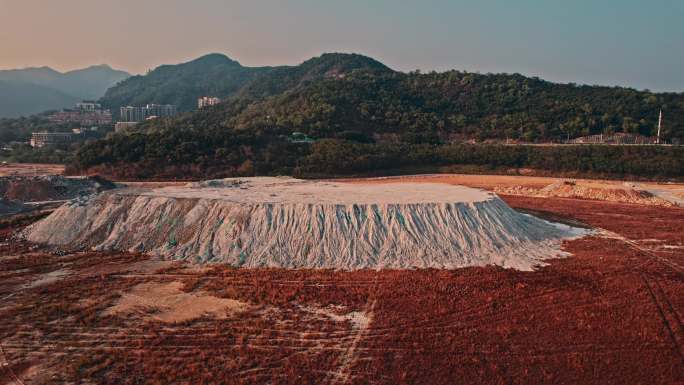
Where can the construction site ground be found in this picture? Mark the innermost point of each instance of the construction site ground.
(30, 169)
(610, 313)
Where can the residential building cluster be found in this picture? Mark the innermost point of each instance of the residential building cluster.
(206, 101)
(88, 105)
(43, 139)
(91, 114)
(150, 111)
(85, 113)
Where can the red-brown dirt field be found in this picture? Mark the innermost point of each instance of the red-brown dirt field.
(609, 314)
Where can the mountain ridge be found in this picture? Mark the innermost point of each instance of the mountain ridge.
(218, 75)
(358, 115)
(32, 83)
(14, 98)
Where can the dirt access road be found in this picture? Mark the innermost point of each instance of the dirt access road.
(611, 313)
(30, 169)
(672, 192)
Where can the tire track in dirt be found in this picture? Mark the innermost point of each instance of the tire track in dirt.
(662, 302)
(466, 317)
(665, 261)
(567, 350)
(666, 311)
(670, 307)
(8, 369)
(672, 333)
(351, 354)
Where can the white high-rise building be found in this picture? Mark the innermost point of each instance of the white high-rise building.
(139, 114)
(88, 105)
(206, 101)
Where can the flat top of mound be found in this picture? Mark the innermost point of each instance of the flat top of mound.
(289, 190)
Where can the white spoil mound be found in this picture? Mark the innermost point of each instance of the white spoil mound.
(283, 222)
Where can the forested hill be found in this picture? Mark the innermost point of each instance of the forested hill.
(327, 66)
(366, 117)
(440, 107)
(334, 93)
(180, 84)
(218, 75)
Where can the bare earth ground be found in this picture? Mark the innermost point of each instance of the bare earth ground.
(30, 169)
(492, 182)
(611, 313)
(666, 193)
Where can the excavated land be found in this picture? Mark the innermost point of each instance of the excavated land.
(628, 193)
(31, 194)
(649, 193)
(610, 313)
(50, 187)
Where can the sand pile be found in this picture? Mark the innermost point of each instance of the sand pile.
(284, 222)
(586, 190)
(167, 302)
(49, 187)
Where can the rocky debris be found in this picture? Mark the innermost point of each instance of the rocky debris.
(217, 183)
(289, 223)
(50, 187)
(625, 193)
(11, 207)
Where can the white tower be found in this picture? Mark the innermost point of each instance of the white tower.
(660, 123)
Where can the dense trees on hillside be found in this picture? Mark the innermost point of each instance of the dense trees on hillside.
(218, 75)
(367, 117)
(186, 155)
(436, 107)
(20, 129)
(456, 105)
(26, 154)
(345, 92)
(331, 65)
(180, 84)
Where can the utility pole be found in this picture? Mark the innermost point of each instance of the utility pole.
(660, 123)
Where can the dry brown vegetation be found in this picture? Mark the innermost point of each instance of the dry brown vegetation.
(612, 313)
(31, 169)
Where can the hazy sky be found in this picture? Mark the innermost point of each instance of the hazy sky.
(610, 42)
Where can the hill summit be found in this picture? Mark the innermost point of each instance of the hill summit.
(218, 75)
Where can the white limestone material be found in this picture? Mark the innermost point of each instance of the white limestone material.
(290, 223)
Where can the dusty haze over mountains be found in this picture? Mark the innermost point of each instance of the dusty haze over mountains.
(33, 90)
(630, 43)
